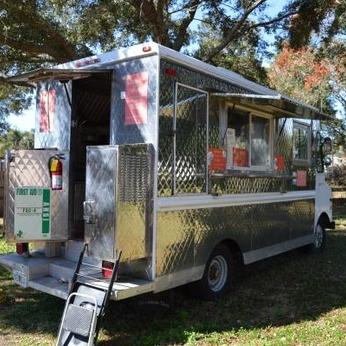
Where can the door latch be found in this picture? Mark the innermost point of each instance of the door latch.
(89, 214)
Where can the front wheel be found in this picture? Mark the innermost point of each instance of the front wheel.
(218, 277)
(319, 240)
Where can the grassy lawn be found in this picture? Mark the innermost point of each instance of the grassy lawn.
(292, 299)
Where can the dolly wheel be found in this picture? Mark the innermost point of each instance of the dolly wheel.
(218, 277)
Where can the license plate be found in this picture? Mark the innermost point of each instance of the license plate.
(20, 276)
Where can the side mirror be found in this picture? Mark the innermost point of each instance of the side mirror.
(327, 161)
(327, 145)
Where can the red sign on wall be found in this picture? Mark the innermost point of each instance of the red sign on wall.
(279, 163)
(240, 157)
(217, 159)
(301, 178)
(136, 98)
(47, 110)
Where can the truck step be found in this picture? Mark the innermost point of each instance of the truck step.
(62, 269)
(50, 285)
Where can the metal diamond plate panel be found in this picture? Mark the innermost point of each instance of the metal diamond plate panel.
(190, 140)
(119, 192)
(30, 168)
(166, 134)
(100, 191)
(134, 203)
(246, 184)
(185, 238)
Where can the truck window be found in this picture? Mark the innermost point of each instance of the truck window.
(301, 142)
(251, 147)
(260, 137)
(240, 121)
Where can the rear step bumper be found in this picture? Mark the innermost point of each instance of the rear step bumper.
(52, 276)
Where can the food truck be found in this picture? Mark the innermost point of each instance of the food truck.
(189, 170)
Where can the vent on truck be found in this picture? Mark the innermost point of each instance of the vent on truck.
(134, 163)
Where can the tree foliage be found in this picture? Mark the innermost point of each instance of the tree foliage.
(300, 74)
(45, 32)
(15, 139)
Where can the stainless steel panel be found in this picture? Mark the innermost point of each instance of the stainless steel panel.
(101, 173)
(301, 215)
(119, 203)
(132, 134)
(59, 137)
(134, 222)
(30, 168)
(185, 238)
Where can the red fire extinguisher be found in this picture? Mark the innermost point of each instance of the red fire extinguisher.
(55, 170)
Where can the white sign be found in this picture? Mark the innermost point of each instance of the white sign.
(20, 275)
(230, 143)
(32, 218)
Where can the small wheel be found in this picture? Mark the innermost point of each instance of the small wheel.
(218, 275)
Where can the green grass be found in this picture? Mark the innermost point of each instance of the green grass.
(292, 299)
(5, 247)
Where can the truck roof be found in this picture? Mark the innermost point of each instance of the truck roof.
(257, 93)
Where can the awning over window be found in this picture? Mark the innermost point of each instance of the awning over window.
(56, 74)
(279, 105)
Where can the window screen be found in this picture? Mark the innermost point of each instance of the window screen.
(239, 121)
(301, 137)
(260, 132)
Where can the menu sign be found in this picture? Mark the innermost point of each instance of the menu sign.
(136, 98)
(301, 178)
(47, 105)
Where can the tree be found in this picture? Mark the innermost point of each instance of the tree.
(300, 74)
(45, 32)
(15, 139)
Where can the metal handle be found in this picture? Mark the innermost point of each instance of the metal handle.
(89, 215)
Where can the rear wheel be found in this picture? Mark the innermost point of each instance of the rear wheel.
(218, 277)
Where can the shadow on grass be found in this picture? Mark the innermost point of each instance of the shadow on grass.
(288, 288)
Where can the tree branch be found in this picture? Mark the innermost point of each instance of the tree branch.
(4, 80)
(272, 21)
(28, 47)
(232, 32)
(182, 31)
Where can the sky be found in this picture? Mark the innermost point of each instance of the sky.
(26, 121)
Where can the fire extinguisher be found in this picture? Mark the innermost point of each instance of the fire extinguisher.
(55, 170)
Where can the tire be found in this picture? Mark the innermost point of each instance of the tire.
(218, 277)
(319, 240)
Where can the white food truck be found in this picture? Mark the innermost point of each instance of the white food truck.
(187, 169)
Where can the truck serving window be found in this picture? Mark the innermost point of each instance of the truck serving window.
(301, 142)
(260, 137)
(252, 141)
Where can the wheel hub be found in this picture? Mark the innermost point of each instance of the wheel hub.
(217, 273)
(318, 237)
